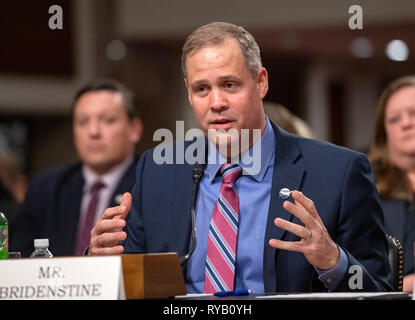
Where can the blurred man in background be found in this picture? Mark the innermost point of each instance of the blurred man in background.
(63, 203)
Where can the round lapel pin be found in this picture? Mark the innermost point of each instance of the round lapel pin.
(285, 193)
(118, 199)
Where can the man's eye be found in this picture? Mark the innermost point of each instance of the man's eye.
(82, 122)
(202, 90)
(230, 85)
(109, 120)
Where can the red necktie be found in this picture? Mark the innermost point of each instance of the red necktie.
(84, 235)
(223, 231)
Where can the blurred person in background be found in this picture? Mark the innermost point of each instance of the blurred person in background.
(287, 120)
(393, 158)
(13, 184)
(63, 203)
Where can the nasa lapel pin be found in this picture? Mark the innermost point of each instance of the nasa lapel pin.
(285, 193)
(117, 199)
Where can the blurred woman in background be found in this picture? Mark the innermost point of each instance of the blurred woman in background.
(393, 159)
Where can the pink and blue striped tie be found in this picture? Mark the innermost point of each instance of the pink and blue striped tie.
(223, 232)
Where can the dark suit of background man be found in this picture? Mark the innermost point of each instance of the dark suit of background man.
(106, 126)
(332, 222)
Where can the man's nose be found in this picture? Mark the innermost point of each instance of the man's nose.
(94, 128)
(219, 100)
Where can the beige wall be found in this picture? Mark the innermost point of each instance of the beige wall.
(154, 31)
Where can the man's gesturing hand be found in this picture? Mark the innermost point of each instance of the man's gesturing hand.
(107, 233)
(316, 245)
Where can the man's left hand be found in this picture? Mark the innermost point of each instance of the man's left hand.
(316, 244)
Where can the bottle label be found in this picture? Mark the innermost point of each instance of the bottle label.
(4, 242)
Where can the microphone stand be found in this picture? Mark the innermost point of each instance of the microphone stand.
(197, 176)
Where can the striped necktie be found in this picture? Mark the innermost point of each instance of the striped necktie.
(223, 231)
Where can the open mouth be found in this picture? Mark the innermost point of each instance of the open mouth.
(221, 123)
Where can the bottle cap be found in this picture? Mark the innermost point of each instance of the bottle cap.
(41, 243)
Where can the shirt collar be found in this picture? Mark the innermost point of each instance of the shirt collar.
(109, 178)
(267, 156)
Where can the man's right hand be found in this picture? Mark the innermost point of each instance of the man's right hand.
(107, 233)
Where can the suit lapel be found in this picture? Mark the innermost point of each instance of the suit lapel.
(180, 222)
(181, 202)
(68, 213)
(126, 184)
(286, 174)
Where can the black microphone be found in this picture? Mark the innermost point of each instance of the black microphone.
(197, 176)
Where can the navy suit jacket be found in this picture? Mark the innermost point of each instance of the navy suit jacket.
(52, 206)
(338, 180)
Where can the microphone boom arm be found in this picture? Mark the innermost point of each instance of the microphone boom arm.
(197, 176)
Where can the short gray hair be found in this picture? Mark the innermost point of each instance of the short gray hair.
(216, 33)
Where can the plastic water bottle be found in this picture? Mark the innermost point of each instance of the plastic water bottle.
(4, 237)
(41, 249)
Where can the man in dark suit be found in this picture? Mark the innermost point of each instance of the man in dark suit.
(333, 242)
(63, 203)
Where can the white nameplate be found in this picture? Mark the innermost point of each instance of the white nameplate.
(72, 278)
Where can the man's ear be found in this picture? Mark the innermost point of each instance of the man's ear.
(188, 91)
(262, 82)
(136, 131)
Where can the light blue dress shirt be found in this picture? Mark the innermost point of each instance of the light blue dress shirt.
(254, 193)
